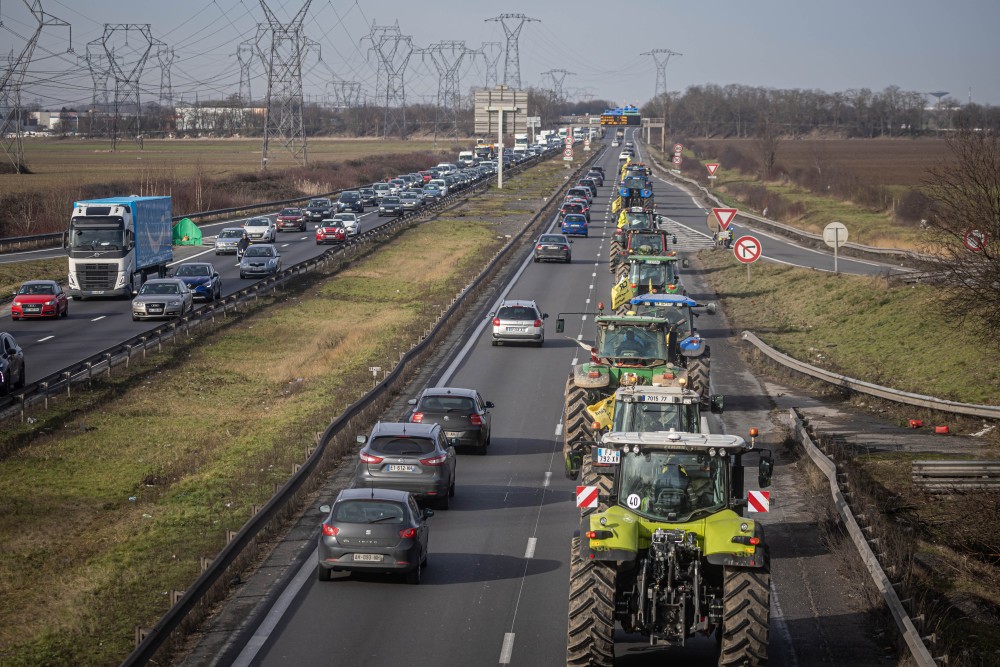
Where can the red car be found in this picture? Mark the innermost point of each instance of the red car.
(39, 298)
(331, 231)
(291, 217)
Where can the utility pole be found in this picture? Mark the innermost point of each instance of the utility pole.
(512, 24)
(491, 52)
(661, 67)
(10, 86)
(393, 51)
(283, 59)
(127, 71)
(558, 76)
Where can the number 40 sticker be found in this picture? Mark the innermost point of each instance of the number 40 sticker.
(633, 501)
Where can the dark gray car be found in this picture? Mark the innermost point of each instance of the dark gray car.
(373, 530)
(462, 413)
(408, 457)
(390, 205)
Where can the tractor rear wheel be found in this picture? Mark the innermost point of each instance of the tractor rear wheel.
(698, 374)
(591, 476)
(591, 627)
(745, 617)
(616, 248)
(575, 420)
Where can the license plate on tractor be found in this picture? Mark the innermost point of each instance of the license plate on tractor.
(608, 457)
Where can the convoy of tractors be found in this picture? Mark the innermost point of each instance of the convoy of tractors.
(664, 548)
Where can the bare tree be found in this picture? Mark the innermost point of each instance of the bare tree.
(963, 232)
(768, 141)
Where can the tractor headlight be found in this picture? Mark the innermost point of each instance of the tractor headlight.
(722, 452)
(744, 527)
(711, 452)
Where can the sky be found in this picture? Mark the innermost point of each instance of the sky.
(917, 45)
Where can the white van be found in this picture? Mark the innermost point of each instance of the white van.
(467, 159)
(446, 168)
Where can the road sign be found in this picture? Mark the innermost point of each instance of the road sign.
(976, 240)
(568, 153)
(587, 496)
(586, 144)
(678, 149)
(835, 234)
(725, 216)
(747, 249)
(759, 501)
(677, 159)
(713, 224)
(712, 167)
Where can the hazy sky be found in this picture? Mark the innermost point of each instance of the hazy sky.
(918, 45)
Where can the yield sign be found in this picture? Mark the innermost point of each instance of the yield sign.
(586, 496)
(747, 249)
(725, 216)
(711, 168)
(759, 501)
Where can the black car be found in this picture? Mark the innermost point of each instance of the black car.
(390, 205)
(12, 370)
(462, 413)
(589, 183)
(350, 201)
(202, 278)
(368, 197)
(373, 530)
(319, 208)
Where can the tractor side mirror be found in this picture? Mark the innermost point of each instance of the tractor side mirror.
(560, 325)
(711, 308)
(716, 403)
(764, 470)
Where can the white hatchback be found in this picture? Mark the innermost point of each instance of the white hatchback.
(518, 321)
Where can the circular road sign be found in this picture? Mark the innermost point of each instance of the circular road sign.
(678, 148)
(747, 249)
(835, 234)
(677, 159)
(976, 240)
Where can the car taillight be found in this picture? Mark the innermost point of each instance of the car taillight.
(538, 323)
(496, 321)
(565, 247)
(408, 533)
(330, 531)
(537, 248)
(475, 420)
(434, 460)
(417, 418)
(368, 458)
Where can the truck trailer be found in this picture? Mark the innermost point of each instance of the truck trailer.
(114, 244)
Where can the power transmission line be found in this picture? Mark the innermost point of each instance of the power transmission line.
(127, 71)
(393, 51)
(491, 52)
(512, 63)
(558, 77)
(165, 57)
(661, 67)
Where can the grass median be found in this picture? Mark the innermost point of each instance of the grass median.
(109, 500)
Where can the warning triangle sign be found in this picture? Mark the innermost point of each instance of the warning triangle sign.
(711, 168)
(725, 216)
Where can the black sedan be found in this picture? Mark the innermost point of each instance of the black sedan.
(553, 246)
(373, 530)
(462, 413)
(12, 370)
(350, 201)
(390, 205)
(202, 278)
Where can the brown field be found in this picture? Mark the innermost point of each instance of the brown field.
(889, 162)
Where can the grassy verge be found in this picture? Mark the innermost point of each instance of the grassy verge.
(15, 273)
(108, 501)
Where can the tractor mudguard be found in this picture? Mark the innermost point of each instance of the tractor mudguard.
(693, 346)
(719, 547)
(619, 535)
(581, 377)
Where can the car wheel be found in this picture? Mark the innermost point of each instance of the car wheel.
(413, 576)
(242, 275)
(323, 573)
(569, 259)
(536, 260)
(541, 342)
(483, 447)
(444, 502)
(135, 319)
(22, 380)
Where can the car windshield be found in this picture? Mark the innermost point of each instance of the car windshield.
(230, 233)
(200, 270)
(672, 486)
(552, 238)
(160, 288)
(644, 273)
(447, 404)
(40, 288)
(368, 511)
(517, 313)
(349, 196)
(646, 417)
(401, 445)
(258, 223)
(575, 218)
(338, 224)
(290, 211)
(631, 344)
(259, 251)
(391, 200)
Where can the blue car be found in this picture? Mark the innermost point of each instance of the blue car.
(574, 224)
(202, 278)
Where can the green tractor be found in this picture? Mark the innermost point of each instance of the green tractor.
(638, 242)
(639, 275)
(672, 557)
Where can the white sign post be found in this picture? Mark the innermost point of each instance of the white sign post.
(835, 235)
(499, 110)
(375, 370)
(747, 250)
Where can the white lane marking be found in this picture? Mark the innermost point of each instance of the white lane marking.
(98, 318)
(559, 428)
(42, 340)
(591, 287)
(507, 648)
(529, 551)
(575, 361)
(588, 301)
(778, 618)
(285, 245)
(593, 275)
(584, 318)
(580, 337)
(548, 478)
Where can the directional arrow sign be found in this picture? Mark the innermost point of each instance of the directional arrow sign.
(711, 168)
(747, 249)
(725, 216)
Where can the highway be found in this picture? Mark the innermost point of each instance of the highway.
(495, 588)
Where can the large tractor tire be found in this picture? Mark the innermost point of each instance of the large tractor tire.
(745, 617)
(591, 476)
(575, 420)
(698, 374)
(591, 627)
(616, 248)
(621, 271)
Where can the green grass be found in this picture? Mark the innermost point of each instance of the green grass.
(14, 273)
(897, 336)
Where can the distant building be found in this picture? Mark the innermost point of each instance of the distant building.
(59, 122)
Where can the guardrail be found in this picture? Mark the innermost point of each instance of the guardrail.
(807, 239)
(904, 623)
(340, 431)
(954, 407)
(949, 476)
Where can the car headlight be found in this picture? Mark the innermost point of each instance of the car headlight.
(174, 302)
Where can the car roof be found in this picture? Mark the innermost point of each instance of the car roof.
(39, 282)
(448, 391)
(405, 429)
(163, 280)
(367, 493)
(518, 302)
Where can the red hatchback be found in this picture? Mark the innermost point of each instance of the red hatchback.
(331, 231)
(291, 217)
(39, 298)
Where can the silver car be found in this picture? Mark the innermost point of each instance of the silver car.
(518, 321)
(162, 297)
(227, 240)
(260, 260)
(408, 457)
(261, 230)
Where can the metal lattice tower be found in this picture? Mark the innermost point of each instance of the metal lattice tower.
(375, 36)
(491, 52)
(661, 67)
(127, 70)
(283, 60)
(100, 72)
(245, 53)
(512, 63)
(393, 51)
(558, 77)
(346, 94)
(447, 58)
(11, 80)
(165, 57)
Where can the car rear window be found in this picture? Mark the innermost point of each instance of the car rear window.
(517, 313)
(368, 511)
(552, 239)
(447, 404)
(401, 445)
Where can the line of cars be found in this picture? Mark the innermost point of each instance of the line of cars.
(574, 219)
